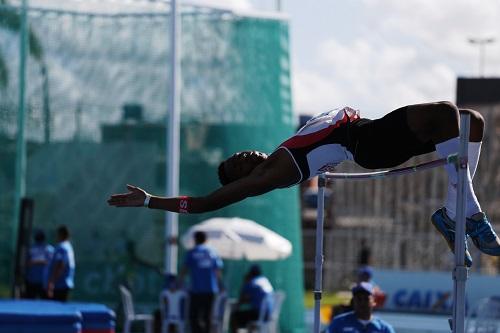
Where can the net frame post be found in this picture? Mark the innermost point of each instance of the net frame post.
(21, 144)
(318, 271)
(460, 272)
(172, 141)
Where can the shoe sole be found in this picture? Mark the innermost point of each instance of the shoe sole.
(451, 245)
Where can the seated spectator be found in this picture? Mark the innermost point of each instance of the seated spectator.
(173, 300)
(361, 319)
(255, 288)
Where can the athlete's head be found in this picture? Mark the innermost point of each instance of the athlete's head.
(239, 165)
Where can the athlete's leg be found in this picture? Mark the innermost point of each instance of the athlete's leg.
(439, 122)
(474, 150)
(477, 226)
(422, 120)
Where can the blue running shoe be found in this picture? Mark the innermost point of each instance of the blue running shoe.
(446, 228)
(482, 234)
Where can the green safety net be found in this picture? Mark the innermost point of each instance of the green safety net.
(97, 94)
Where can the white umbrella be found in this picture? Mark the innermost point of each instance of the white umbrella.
(237, 238)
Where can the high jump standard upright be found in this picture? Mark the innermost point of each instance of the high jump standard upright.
(460, 272)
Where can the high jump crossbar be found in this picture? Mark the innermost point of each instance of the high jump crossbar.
(460, 272)
(453, 158)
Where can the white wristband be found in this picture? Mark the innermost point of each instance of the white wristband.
(146, 200)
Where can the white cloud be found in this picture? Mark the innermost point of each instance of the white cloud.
(375, 78)
(396, 53)
(313, 92)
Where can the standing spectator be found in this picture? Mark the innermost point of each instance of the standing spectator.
(204, 267)
(255, 288)
(62, 268)
(365, 254)
(365, 274)
(361, 319)
(37, 261)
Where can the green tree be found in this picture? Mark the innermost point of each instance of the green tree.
(10, 19)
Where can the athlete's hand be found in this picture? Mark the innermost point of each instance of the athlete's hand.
(134, 198)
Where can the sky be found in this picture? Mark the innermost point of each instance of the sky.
(378, 55)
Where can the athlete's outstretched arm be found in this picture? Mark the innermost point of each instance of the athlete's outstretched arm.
(262, 179)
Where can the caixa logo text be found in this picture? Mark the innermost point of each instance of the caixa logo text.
(428, 300)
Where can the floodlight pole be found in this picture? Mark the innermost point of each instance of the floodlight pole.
(481, 42)
(20, 171)
(173, 142)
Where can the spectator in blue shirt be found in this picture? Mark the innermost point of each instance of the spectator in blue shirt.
(62, 268)
(204, 267)
(255, 289)
(361, 319)
(37, 261)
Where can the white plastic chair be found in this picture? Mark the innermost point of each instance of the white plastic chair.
(174, 310)
(485, 318)
(130, 315)
(278, 299)
(221, 312)
(269, 324)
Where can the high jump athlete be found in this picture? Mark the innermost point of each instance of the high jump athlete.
(339, 135)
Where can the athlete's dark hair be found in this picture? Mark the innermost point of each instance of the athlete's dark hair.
(222, 174)
(223, 177)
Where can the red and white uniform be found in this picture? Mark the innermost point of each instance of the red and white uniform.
(321, 143)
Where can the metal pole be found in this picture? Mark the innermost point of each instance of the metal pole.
(481, 42)
(20, 172)
(46, 101)
(319, 252)
(460, 271)
(481, 59)
(173, 146)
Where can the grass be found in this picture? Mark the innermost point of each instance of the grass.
(328, 299)
(4, 291)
